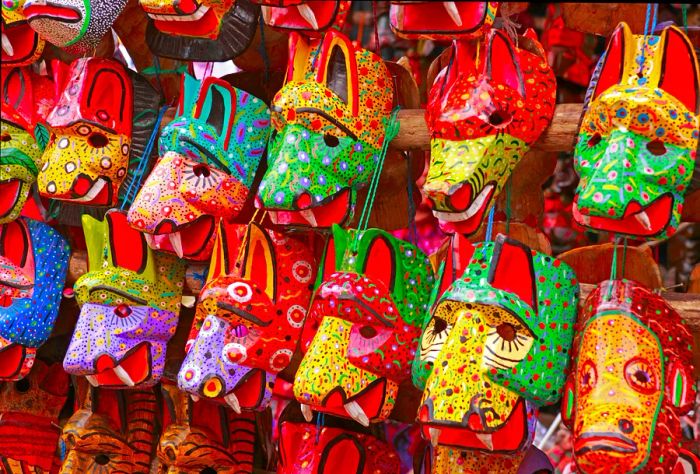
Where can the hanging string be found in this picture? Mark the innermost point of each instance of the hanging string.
(320, 421)
(263, 50)
(246, 235)
(412, 228)
(684, 10)
(489, 224)
(624, 257)
(375, 19)
(613, 268)
(509, 210)
(140, 170)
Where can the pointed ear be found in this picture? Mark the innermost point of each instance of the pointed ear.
(682, 386)
(108, 94)
(344, 453)
(229, 238)
(299, 53)
(127, 245)
(501, 64)
(679, 69)
(217, 106)
(613, 65)
(260, 260)
(512, 270)
(15, 242)
(568, 405)
(380, 263)
(337, 69)
(188, 96)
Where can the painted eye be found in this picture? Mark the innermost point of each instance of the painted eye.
(656, 147)
(640, 376)
(500, 118)
(22, 386)
(434, 336)
(368, 332)
(98, 140)
(5, 137)
(69, 441)
(201, 170)
(594, 140)
(101, 459)
(331, 140)
(506, 345)
(588, 377)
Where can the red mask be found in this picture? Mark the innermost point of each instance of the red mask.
(442, 20)
(309, 18)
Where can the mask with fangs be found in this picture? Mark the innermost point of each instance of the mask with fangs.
(21, 45)
(309, 18)
(455, 20)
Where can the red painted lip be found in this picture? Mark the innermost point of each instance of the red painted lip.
(658, 213)
(24, 41)
(11, 360)
(54, 12)
(335, 210)
(9, 196)
(136, 363)
(615, 442)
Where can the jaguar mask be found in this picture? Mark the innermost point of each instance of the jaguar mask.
(495, 348)
(449, 21)
(363, 325)
(77, 26)
(447, 460)
(330, 122)
(638, 141)
(212, 367)
(130, 303)
(99, 130)
(483, 116)
(200, 30)
(310, 18)
(33, 266)
(21, 45)
(210, 154)
(630, 381)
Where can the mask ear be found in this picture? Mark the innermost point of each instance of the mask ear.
(106, 97)
(679, 69)
(344, 452)
(681, 387)
(127, 246)
(501, 64)
(260, 261)
(337, 68)
(614, 60)
(299, 52)
(380, 263)
(513, 259)
(15, 242)
(568, 404)
(226, 250)
(217, 107)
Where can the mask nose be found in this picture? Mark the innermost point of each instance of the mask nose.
(303, 201)
(626, 426)
(213, 387)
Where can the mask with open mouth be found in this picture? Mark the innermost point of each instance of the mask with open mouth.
(21, 45)
(309, 18)
(74, 25)
(29, 429)
(455, 20)
(447, 460)
(22, 137)
(99, 130)
(630, 381)
(200, 30)
(638, 141)
(330, 122)
(483, 118)
(496, 347)
(203, 436)
(112, 431)
(363, 325)
(210, 154)
(130, 302)
(33, 266)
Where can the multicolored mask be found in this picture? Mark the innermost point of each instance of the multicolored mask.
(33, 266)
(29, 428)
(310, 18)
(210, 154)
(200, 30)
(455, 20)
(638, 141)
(99, 130)
(203, 436)
(311, 448)
(20, 154)
(21, 45)
(113, 431)
(366, 316)
(330, 122)
(448, 460)
(482, 119)
(74, 25)
(130, 301)
(631, 380)
(495, 347)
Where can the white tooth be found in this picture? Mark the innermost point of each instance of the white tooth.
(92, 380)
(357, 413)
(453, 11)
(308, 14)
(267, 14)
(176, 242)
(188, 301)
(309, 216)
(273, 217)
(469, 213)
(643, 219)
(151, 241)
(306, 411)
(7, 45)
(95, 189)
(434, 436)
(487, 439)
(232, 400)
(195, 398)
(123, 376)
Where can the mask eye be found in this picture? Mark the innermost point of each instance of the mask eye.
(5, 137)
(640, 376)
(434, 336)
(500, 118)
(656, 148)
(507, 343)
(368, 332)
(331, 140)
(588, 377)
(101, 459)
(98, 140)
(594, 140)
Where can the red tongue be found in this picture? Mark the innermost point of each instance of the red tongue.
(475, 423)
(9, 193)
(103, 363)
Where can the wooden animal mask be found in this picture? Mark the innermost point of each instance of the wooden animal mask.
(498, 342)
(210, 154)
(112, 431)
(74, 25)
(33, 265)
(22, 109)
(364, 323)
(447, 460)
(130, 301)
(330, 121)
(309, 18)
(29, 428)
(203, 436)
(630, 382)
(21, 45)
(447, 22)
(204, 30)
(99, 130)
(483, 116)
(638, 141)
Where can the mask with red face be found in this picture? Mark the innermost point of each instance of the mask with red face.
(21, 45)
(309, 18)
(445, 21)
